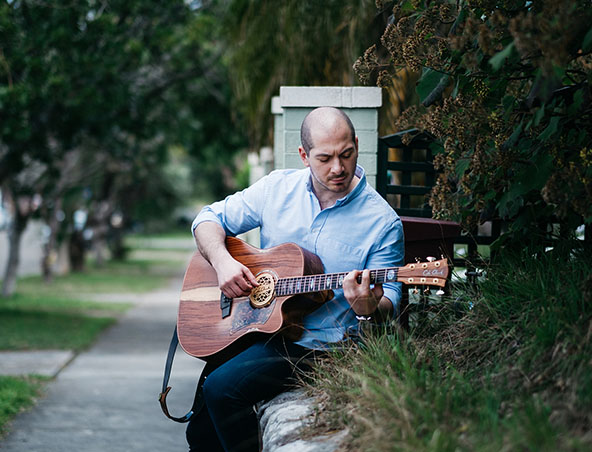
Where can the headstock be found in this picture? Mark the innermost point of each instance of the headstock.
(432, 273)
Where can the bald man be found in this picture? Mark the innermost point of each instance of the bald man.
(327, 208)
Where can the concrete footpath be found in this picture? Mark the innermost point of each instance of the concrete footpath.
(105, 399)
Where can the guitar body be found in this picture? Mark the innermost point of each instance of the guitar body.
(206, 334)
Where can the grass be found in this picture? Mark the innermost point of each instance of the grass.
(62, 315)
(509, 371)
(66, 314)
(39, 330)
(17, 394)
(132, 275)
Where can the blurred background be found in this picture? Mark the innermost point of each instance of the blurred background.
(119, 117)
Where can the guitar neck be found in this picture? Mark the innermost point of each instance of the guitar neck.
(328, 281)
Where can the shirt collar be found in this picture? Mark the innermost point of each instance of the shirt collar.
(360, 172)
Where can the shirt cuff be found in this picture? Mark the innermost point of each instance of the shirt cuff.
(202, 217)
(394, 296)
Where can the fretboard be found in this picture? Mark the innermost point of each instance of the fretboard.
(316, 283)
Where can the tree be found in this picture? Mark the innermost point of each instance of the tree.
(505, 91)
(114, 84)
(294, 42)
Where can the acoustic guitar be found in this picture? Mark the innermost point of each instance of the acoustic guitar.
(214, 327)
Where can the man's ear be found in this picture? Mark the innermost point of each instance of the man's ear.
(303, 156)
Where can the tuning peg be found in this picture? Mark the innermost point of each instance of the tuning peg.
(415, 291)
(418, 260)
(427, 291)
(440, 292)
(430, 258)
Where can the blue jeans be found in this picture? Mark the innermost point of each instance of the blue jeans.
(227, 422)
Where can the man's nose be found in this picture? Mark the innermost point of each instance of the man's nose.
(336, 166)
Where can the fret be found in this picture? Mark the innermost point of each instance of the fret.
(329, 281)
(281, 288)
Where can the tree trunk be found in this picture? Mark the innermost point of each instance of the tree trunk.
(17, 226)
(49, 247)
(77, 251)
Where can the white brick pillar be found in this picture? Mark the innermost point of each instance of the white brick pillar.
(295, 102)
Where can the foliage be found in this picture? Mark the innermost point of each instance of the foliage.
(511, 370)
(294, 42)
(505, 91)
(15, 395)
(93, 97)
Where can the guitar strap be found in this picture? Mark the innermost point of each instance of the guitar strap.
(197, 401)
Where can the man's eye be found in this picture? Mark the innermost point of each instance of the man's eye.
(323, 160)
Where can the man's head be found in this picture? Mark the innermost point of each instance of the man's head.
(319, 117)
(330, 149)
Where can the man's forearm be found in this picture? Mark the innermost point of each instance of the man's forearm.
(385, 310)
(210, 239)
(234, 279)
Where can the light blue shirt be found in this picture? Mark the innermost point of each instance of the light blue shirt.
(360, 231)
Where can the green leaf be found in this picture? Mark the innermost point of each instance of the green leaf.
(550, 130)
(455, 90)
(428, 81)
(578, 99)
(514, 137)
(461, 166)
(508, 102)
(499, 59)
(587, 42)
(539, 115)
(408, 6)
(535, 179)
(436, 147)
(509, 204)
(489, 195)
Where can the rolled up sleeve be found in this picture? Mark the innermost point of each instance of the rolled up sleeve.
(389, 252)
(236, 213)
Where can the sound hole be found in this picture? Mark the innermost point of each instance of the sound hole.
(263, 294)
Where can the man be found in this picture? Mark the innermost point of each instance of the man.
(327, 208)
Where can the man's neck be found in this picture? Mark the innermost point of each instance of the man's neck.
(328, 198)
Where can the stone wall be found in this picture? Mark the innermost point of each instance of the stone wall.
(283, 419)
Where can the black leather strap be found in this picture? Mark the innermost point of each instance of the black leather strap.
(198, 400)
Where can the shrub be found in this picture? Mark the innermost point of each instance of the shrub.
(505, 91)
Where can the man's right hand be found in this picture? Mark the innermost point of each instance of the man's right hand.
(234, 279)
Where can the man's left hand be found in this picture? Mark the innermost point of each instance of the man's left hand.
(363, 299)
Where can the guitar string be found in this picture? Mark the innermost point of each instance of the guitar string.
(317, 283)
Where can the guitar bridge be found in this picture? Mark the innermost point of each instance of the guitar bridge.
(225, 305)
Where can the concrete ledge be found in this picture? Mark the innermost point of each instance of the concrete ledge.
(330, 96)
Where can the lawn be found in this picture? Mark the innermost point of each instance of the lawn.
(68, 314)
(17, 394)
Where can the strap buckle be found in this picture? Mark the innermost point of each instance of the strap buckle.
(163, 406)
